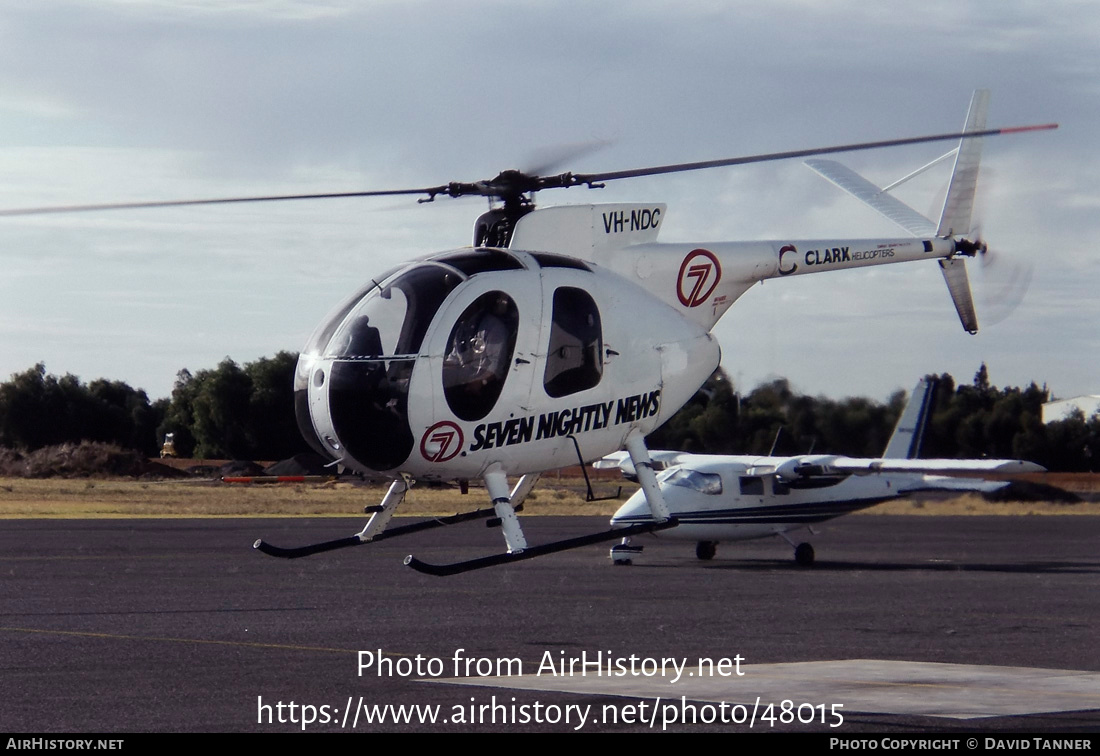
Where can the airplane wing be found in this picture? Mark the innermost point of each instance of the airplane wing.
(811, 465)
(975, 467)
(662, 460)
(621, 460)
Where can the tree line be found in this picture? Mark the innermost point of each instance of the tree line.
(229, 412)
(967, 421)
(247, 412)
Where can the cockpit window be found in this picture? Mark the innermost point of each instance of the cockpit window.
(390, 320)
(479, 355)
(574, 360)
(708, 483)
(551, 260)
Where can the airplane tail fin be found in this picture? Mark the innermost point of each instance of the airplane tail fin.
(958, 207)
(909, 432)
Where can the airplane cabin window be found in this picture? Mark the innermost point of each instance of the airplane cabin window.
(752, 485)
(574, 360)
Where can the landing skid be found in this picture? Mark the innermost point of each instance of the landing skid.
(531, 552)
(503, 514)
(496, 483)
(358, 540)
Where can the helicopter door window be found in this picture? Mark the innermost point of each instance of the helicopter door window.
(573, 360)
(479, 354)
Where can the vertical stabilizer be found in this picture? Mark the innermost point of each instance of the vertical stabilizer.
(958, 284)
(959, 204)
(958, 208)
(908, 433)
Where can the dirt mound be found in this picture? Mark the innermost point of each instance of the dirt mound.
(240, 468)
(299, 464)
(84, 460)
(88, 459)
(11, 463)
(156, 470)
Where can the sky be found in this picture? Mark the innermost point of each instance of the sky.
(131, 100)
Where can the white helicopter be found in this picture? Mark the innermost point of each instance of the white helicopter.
(717, 498)
(564, 334)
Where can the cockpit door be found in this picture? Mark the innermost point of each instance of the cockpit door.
(482, 348)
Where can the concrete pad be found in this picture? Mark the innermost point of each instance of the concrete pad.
(869, 686)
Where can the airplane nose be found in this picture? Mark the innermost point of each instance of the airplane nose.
(635, 510)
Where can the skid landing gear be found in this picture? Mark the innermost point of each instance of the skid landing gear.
(375, 527)
(503, 515)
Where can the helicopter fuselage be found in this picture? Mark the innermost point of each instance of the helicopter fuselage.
(487, 356)
(531, 361)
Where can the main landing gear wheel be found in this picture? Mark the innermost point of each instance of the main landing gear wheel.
(804, 554)
(706, 549)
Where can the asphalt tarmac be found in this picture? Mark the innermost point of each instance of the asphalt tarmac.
(905, 624)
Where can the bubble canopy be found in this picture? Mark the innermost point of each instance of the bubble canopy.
(358, 363)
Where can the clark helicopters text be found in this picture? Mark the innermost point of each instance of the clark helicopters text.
(561, 664)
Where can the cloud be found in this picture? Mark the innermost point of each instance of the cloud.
(144, 100)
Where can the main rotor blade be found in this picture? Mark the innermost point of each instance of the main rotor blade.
(554, 158)
(430, 192)
(510, 186)
(589, 178)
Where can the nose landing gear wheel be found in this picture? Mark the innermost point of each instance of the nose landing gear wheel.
(706, 549)
(804, 554)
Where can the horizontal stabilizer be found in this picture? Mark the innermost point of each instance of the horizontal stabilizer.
(863, 190)
(958, 284)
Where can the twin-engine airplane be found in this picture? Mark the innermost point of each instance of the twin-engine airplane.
(718, 498)
(563, 335)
